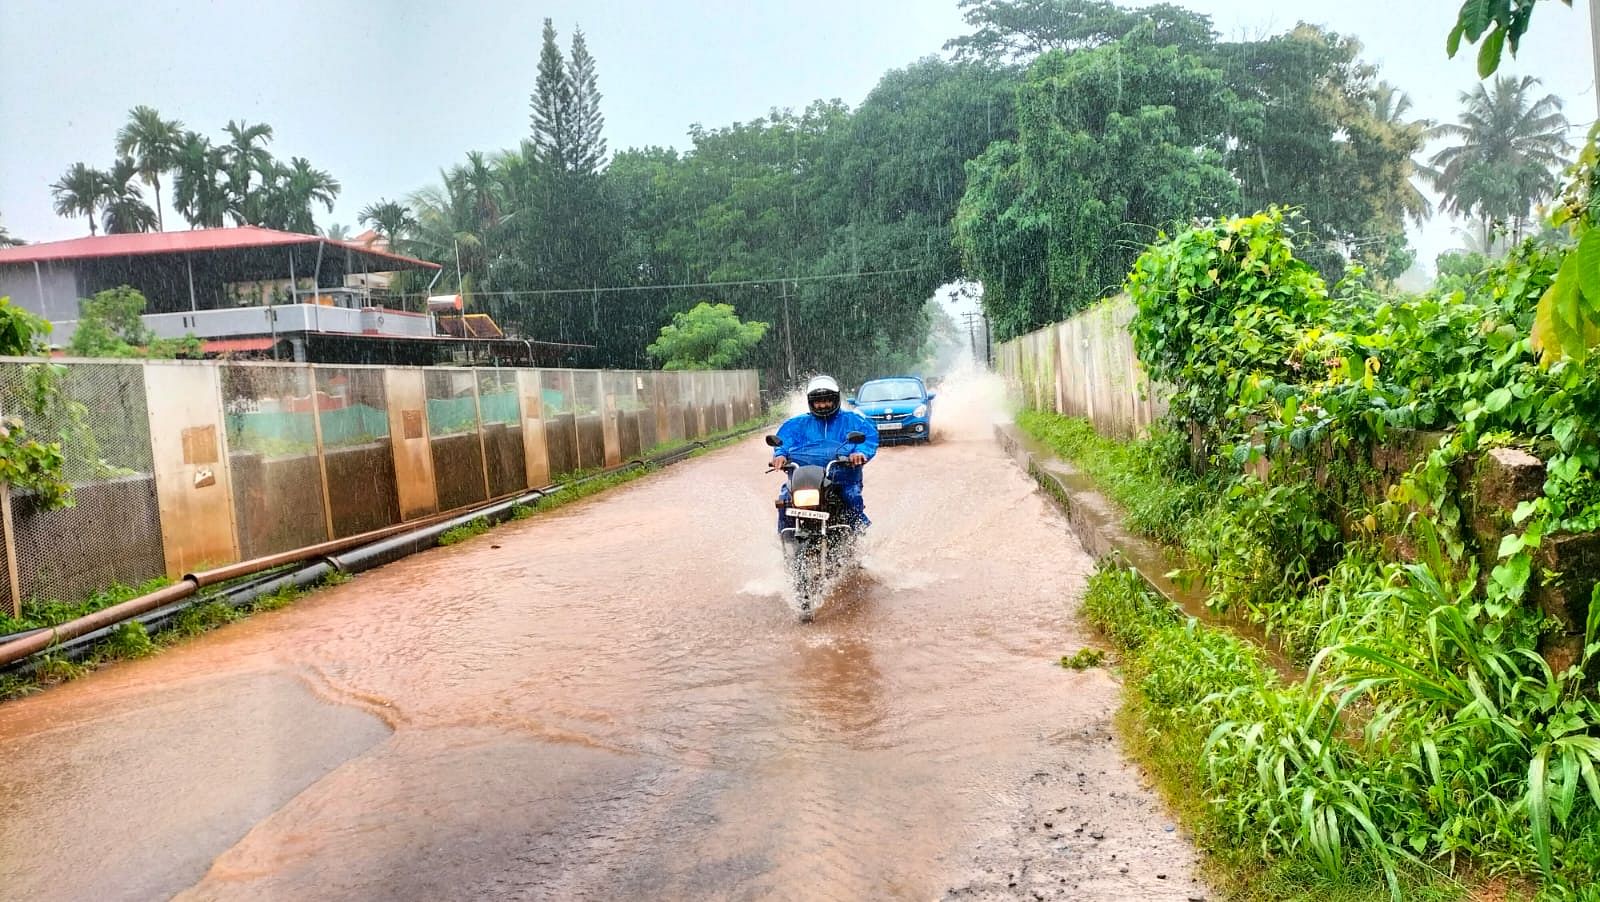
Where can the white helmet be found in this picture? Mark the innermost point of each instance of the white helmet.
(822, 396)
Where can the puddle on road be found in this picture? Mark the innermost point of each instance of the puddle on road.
(134, 803)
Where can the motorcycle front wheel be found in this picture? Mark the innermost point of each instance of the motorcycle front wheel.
(809, 578)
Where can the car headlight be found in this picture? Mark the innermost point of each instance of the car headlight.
(921, 411)
(807, 498)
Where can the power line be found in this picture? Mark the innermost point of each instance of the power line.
(729, 284)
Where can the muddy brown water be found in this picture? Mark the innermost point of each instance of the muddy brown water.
(615, 701)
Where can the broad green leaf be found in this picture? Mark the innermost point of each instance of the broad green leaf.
(1588, 255)
(1539, 806)
(1475, 17)
(1556, 323)
(1453, 42)
(1497, 400)
(1524, 510)
(1489, 53)
(1509, 545)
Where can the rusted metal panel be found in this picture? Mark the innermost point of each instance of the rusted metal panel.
(358, 454)
(588, 407)
(611, 407)
(504, 452)
(536, 456)
(651, 414)
(273, 457)
(455, 434)
(560, 422)
(194, 490)
(407, 398)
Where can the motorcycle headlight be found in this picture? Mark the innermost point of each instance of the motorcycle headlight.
(807, 498)
(921, 411)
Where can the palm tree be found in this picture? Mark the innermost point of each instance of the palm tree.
(302, 186)
(336, 232)
(1389, 106)
(7, 241)
(199, 192)
(247, 154)
(389, 219)
(153, 143)
(1510, 148)
(82, 191)
(452, 222)
(125, 209)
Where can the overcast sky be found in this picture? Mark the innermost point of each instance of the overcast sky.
(382, 93)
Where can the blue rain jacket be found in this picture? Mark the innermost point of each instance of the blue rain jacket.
(812, 442)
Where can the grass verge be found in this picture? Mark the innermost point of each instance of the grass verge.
(1145, 478)
(1180, 678)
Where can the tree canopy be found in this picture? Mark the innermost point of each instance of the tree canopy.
(706, 337)
(1134, 121)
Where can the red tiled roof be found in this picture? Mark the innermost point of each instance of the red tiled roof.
(195, 240)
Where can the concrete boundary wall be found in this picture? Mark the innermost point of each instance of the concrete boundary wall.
(1084, 367)
(178, 466)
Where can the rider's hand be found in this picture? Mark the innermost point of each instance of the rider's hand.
(858, 459)
(780, 462)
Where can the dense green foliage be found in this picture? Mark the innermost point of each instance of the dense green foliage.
(708, 337)
(831, 224)
(1438, 726)
(109, 325)
(26, 462)
(1135, 120)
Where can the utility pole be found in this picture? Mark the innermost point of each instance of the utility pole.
(1594, 47)
(788, 335)
(974, 318)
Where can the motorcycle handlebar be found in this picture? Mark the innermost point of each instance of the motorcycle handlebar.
(842, 460)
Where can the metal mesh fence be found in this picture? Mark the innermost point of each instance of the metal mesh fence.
(453, 436)
(112, 533)
(270, 413)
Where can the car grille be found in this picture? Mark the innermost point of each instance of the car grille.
(889, 417)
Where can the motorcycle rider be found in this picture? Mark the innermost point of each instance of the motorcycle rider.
(818, 436)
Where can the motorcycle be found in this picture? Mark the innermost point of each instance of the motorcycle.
(817, 547)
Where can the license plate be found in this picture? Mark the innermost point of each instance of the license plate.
(807, 515)
(888, 427)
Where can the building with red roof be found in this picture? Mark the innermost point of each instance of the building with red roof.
(251, 291)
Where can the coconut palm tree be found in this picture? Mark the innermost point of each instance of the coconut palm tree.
(82, 191)
(453, 221)
(336, 232)
(388, 218)
(199, 192)
(153, 143)
(1510, 145)
(7, 241)
(125, 210)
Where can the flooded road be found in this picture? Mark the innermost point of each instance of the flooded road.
(615, 701)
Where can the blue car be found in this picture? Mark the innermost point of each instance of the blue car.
(900, 406)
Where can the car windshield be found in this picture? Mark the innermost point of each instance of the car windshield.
(890, 390)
